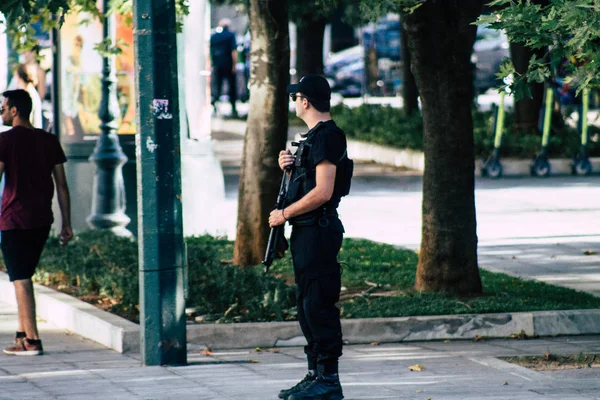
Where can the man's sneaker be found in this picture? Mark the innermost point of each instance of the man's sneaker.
(19, 337)
(26, 347)
(325, 387)
(284, 394)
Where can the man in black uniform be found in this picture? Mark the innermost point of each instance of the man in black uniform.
(223, 55)
(320, 178)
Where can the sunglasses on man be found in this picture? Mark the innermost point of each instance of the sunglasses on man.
(293, 96)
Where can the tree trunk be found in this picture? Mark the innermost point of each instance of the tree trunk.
(440, 39)
(266, 131)
(527, 109)
(309, 47)
(410, 94)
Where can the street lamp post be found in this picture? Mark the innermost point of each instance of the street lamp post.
(108, 201)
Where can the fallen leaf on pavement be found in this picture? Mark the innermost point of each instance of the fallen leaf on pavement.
(590, 253)
(253, 361)
(206, 352)
(416, 367)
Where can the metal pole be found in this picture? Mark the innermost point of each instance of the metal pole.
(56, 68)
(160, 226)
(108, 201)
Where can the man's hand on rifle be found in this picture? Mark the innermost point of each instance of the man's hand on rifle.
(286, 159)
(276, 218)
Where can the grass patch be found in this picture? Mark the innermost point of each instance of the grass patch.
(552, 362)
(378, 281)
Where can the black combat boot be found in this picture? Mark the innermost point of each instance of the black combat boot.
(285, 393)
(325, 387)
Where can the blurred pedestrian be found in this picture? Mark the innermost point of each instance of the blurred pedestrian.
(25, 79)
(223, 55)
(30, 59)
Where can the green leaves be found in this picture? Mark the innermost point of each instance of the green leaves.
(106, 48)
(20, 14)
(374, 9)
(569, 29)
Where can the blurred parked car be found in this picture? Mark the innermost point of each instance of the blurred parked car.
(490, 47)
(345, 69)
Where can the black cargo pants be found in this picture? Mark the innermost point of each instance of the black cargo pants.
(318, 279)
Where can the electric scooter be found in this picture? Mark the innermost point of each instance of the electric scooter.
(540, 165)
(492, 166)
(581, 163)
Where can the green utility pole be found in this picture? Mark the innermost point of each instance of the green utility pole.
(160, 227)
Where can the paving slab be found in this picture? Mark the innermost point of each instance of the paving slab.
(452, 370)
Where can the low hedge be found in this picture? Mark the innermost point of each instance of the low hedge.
(102, 269)
(390, 126)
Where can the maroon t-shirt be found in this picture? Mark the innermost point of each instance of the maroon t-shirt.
(29, 156)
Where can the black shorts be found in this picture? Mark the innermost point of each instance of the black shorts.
(21, 249)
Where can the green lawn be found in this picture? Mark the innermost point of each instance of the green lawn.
(377, 281)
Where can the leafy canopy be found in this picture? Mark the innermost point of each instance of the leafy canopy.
(568, 29)
(21, 14)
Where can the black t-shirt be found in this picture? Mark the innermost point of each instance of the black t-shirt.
(328, 143)
(325, 142)
(221, 45)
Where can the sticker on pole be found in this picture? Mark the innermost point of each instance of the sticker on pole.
(161, 109)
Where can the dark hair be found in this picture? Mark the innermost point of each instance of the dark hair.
(25, 74)
(321, 106)
(21, 100)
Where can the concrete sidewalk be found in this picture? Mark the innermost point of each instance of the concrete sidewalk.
(75, 368)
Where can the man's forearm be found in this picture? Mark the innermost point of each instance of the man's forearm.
(64, 203)
(313, 200)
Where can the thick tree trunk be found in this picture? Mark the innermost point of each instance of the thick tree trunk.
(527, 109)
(410, 94)
(440, 39)
(309, 47)
(266, 131)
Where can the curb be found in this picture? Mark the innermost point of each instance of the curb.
(415, 160)
(121, 335)
(364, 151)
(67, 312)
(403, 329)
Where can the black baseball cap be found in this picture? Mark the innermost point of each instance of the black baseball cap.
(314, 87)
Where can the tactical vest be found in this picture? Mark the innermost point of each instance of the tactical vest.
(303, 180)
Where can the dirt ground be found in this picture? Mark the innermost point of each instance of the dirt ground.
(551, 362)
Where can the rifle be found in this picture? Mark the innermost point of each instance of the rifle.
(276, 238)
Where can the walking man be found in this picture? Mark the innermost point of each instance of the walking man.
(321, 177)
(223, 55)
(30, 158)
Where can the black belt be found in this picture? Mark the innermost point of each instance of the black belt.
(318, 216)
